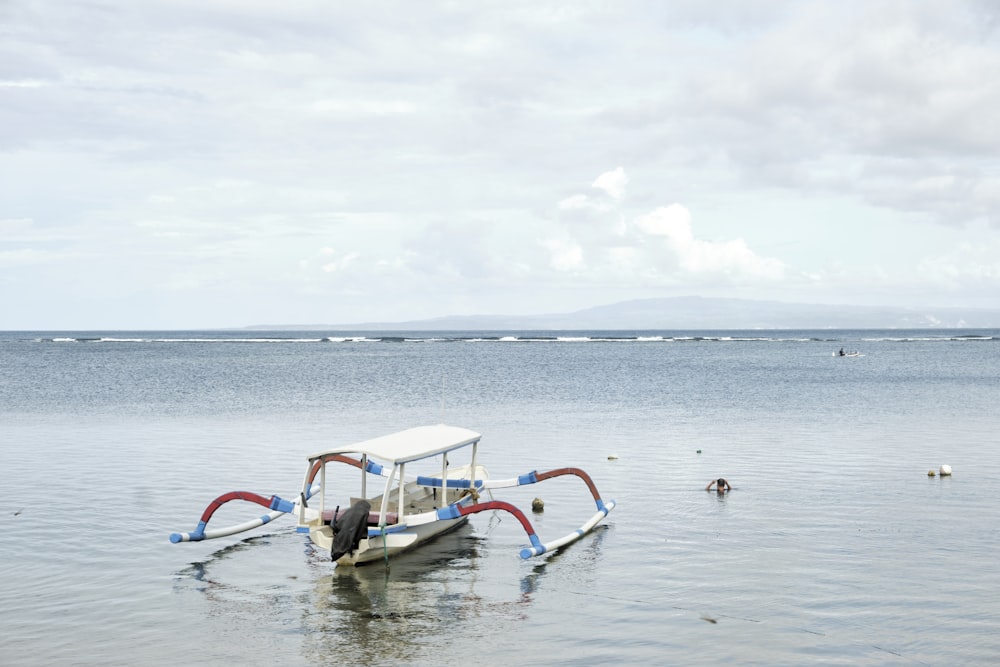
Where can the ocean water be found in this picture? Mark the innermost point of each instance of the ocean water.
(834, 548)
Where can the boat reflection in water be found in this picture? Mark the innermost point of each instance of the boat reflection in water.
(467, 585)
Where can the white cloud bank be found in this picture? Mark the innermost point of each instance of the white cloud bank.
(657, 247)
(730, 258)
(470, 158)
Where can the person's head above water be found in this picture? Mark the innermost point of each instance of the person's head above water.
(721, 485)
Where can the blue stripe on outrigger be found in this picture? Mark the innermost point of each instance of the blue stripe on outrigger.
(530, 478)
(423, 480)
(449, 512)
(197, 535)
(282, 505)
(537, 548)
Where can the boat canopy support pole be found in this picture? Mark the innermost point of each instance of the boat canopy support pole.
(364, 477)
(322, 485)
(442, 500)
(402, 493)
(384, 509)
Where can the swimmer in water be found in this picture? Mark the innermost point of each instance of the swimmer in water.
(721, 485)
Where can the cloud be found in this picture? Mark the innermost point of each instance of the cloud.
(964, 266)
(448, 154)
(697, 257)
(612, 182)
(949, 194)
(340, 263)
(659, 245)
(565, 254)
(27, 256)
(582, 203)
(363, 107)
(871, 83)
(672, 222)
(12, 227)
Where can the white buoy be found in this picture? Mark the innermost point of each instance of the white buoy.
(945, 471)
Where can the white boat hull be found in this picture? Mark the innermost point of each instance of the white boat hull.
(376, 548)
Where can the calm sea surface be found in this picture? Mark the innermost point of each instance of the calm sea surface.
(834, 548)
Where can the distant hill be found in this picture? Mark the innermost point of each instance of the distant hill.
(692, 312)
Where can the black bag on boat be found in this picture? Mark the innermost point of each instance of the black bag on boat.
(350, 529)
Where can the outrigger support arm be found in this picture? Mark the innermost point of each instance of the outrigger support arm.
(277, 504)
(456, 510)
(534, 477)
(537, 548)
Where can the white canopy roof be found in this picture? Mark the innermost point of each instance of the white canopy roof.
(410, 445)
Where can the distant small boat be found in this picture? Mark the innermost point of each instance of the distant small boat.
(411, 509)
(847, 354)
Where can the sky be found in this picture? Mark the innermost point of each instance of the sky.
(173, 164)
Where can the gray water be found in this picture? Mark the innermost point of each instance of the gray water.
(835, 547)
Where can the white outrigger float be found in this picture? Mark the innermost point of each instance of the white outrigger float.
(411, 509)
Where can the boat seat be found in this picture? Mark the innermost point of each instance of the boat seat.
(391, 518)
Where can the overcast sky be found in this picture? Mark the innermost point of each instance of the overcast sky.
(206, 163)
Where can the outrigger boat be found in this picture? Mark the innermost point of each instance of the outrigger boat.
(411, 509)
